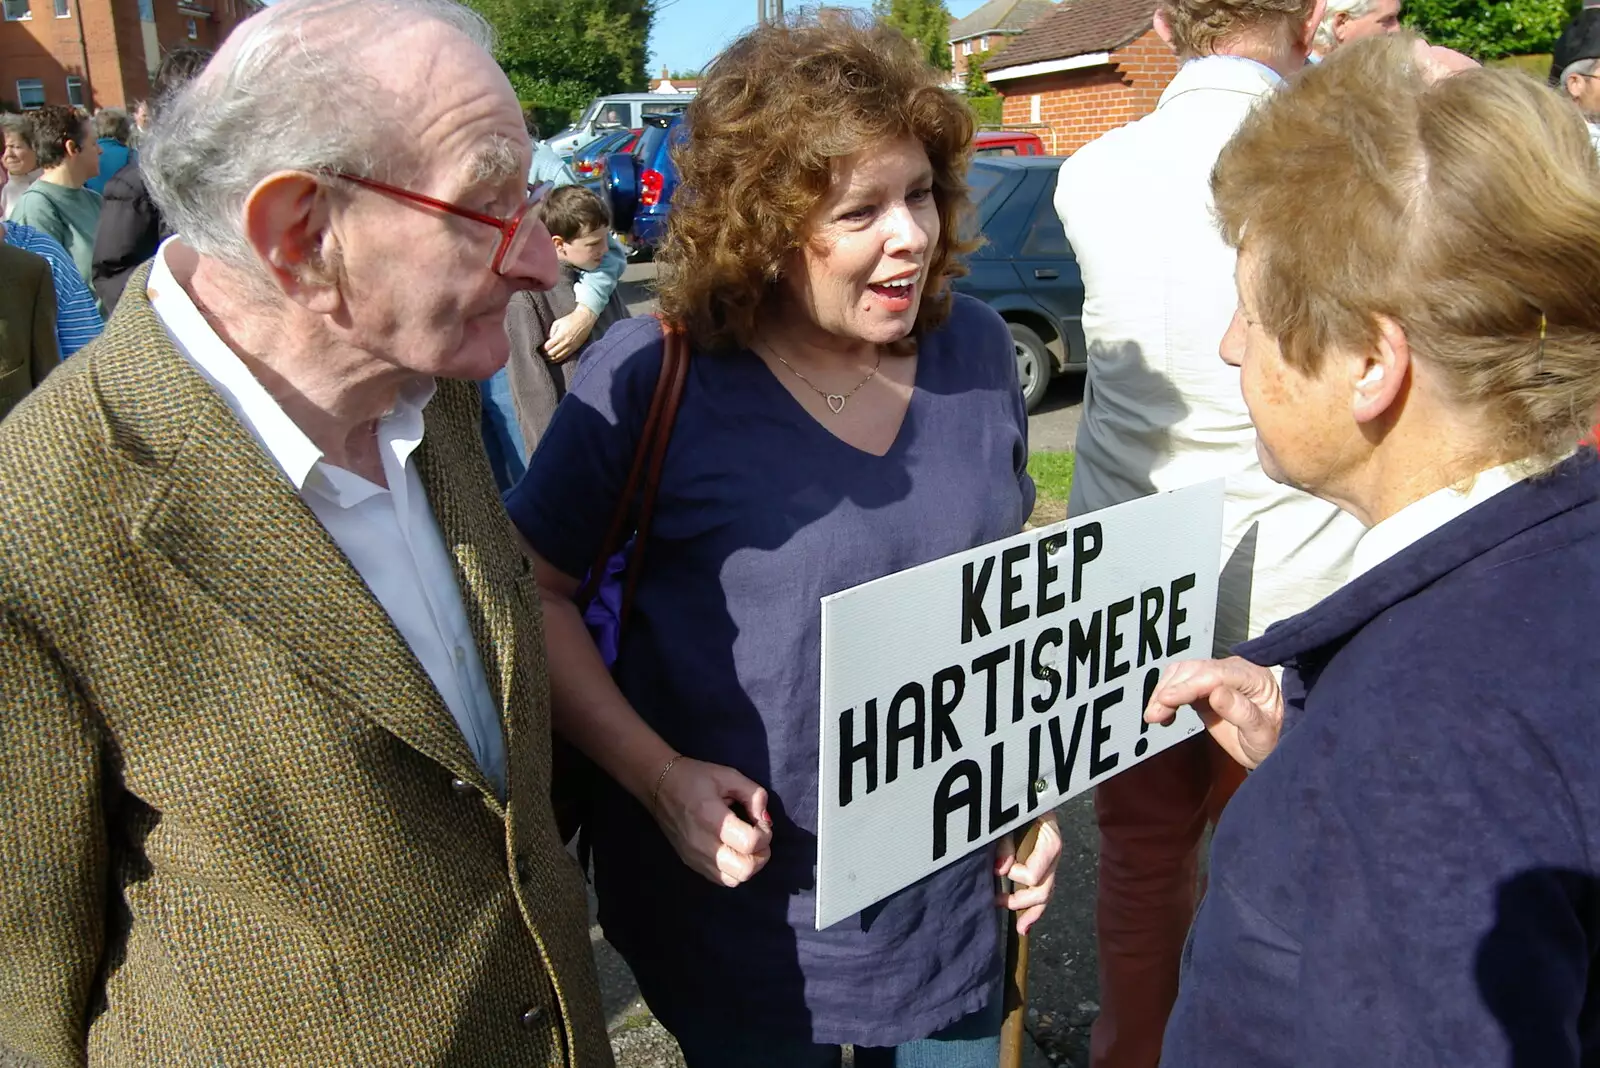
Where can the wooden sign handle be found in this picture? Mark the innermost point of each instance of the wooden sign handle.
(1012, 1032)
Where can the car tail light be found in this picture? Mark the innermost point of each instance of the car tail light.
(585, 167)
(650, 188)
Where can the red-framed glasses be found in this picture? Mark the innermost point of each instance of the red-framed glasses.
(513, 237)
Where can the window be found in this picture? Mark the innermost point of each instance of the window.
(63, 9)
(30, 93)
(17, 10)
(966, 48)
(147, 11)
(1046, 239)
(1033, 107)
(75, 91)
(193, 28)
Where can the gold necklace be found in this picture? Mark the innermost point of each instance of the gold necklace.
(835, 400)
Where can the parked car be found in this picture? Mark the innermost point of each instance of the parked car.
(1006, 143)
(589, 162)
(1025, 269)
(640, 183)
(623, 111)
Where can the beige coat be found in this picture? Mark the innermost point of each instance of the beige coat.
(238, 826)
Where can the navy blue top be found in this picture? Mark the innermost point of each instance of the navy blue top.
(761, 512)
(1413, 877)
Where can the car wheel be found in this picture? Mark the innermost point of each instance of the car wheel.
(1033, 364)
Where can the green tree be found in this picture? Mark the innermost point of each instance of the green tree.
(1491, 30)
(560, 54)
(683, 75)
(987, 105)
(926, 22)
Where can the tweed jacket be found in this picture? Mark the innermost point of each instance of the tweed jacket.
(28, 348)
(239, 826)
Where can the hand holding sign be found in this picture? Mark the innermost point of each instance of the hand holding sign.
(1239, 702)
(1033, 876)
(694, 811)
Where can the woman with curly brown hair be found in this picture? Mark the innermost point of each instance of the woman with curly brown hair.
(846, 416)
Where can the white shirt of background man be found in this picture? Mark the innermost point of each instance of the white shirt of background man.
(389, 535)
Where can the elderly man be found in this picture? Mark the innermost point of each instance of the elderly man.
(275, 742)
(1161, 410)
(1344, 21)
(1575, 67)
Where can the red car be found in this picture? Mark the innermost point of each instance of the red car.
(1007, 143)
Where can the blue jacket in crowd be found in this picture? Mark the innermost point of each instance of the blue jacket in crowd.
(1412, 879)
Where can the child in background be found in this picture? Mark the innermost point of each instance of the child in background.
(579, 225)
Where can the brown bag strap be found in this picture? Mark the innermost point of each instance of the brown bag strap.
(644, 474)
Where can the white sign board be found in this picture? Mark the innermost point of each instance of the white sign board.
(965, 697)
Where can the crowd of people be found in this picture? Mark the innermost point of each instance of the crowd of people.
(304, 692)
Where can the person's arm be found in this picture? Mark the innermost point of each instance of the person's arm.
(46, 354)
(593, 290)
(78, 320)
(562, 508)
(691, 800)
(53, 850)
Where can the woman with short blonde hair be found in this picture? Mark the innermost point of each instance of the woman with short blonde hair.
(845, 416)
(1411, 876)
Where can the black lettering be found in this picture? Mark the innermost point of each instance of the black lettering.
(1151, 679)
(989, 664)
(1012, 613)
(896, 732)
(943, 729)
(1177, 614)
(1050, 636)
(1101, 734)
(947, 799)
(851, 751)
(1083, 649)
(999, 817)
(1115, 668)
(1150, 602)
(1019, 675)
(1035, 733)
(972, 594)
(1069, 757)
(1085, 547)
(1048, 602)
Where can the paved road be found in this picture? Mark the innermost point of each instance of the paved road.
(1050, 429)
(1063, 989)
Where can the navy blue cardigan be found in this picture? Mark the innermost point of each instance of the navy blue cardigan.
(1413, 877)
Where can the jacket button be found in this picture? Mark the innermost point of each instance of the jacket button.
(524, 870)
(462, 786)
(532, 1017)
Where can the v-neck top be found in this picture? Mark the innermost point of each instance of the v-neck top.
(762, 512)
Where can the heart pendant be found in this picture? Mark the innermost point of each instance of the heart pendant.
(836, 402)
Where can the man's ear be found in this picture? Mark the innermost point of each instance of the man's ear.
(288, 223)
(1381, 374)
(1574, 86)
(1308, 33)
(1163, 27)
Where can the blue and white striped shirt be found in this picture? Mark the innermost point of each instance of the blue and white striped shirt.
(78, 319)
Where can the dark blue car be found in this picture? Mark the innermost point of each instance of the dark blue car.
(1025, 269)
(641, 182)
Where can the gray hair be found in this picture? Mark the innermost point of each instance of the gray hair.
(287, 92)
(112, 123)
(1578, 66)
(1324, 41)
(16, 126)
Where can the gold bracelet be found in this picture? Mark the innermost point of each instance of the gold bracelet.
(655, 795)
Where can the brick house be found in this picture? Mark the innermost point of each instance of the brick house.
(988, 29)
(1087, 67)
(101, 53)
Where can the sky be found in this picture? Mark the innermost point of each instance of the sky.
(687, 33)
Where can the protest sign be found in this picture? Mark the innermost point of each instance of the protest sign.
(965, 697)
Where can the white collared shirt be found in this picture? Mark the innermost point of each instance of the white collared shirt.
(1422, 517)
(1161, 410)
(389, 535)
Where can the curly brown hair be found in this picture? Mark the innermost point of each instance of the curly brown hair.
(772, 116)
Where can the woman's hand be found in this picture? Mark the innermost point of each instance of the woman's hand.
(1033, 877)
(1239, 702)
(694, 810)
